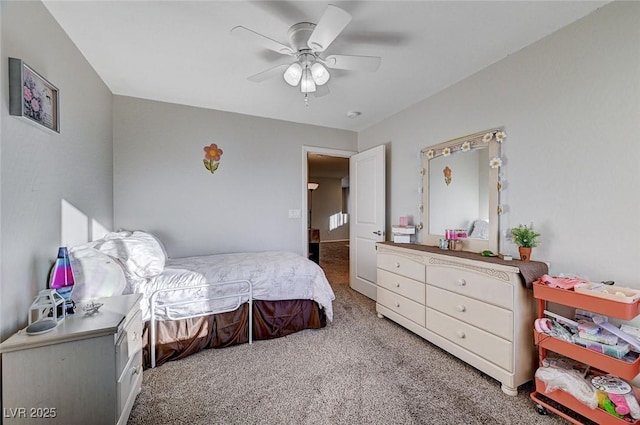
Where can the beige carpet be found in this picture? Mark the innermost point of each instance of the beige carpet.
(334, 260)
(357, 370)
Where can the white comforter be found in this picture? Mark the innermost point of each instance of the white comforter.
(275, 275)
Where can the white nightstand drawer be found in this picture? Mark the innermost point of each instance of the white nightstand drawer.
(401, 305)
(130, 380)
(404, 286)
(490, 318)
(129, 343)
(491, 348)
(402, 266)
(475, 285)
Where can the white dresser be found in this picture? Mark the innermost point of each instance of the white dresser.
(476, 310)
(88, 370)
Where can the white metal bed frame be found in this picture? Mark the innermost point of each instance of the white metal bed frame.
(155, 305)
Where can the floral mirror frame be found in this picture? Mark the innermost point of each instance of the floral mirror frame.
(490, 139)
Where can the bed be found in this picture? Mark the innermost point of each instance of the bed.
(208, 301)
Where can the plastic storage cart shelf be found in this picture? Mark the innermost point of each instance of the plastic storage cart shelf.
(625, 370)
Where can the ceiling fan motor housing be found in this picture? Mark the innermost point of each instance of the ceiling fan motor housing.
(299, 35)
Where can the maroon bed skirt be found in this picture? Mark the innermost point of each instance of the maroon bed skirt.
(177, 339)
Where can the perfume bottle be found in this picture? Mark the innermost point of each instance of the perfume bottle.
(61, 278)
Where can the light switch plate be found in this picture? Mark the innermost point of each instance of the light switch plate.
(294, 213)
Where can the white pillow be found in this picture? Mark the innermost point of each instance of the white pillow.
(479, 230)
(140, 253)
(96, 274)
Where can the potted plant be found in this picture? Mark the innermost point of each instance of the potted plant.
(526, 238)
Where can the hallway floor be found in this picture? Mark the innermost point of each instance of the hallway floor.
(334, 260)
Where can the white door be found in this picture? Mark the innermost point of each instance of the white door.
(367, 176)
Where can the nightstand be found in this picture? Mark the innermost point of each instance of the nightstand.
(87, 370)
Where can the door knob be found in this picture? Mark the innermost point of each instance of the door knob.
(379, 233)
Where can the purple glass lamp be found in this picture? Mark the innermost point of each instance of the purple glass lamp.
(62, 276)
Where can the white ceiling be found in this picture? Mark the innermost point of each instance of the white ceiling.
(182, 52)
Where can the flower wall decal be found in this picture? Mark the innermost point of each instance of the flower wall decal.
(431, 154)
(212, 154)
(500, 136)
(466, 147)
(495, 162)
(447, 175)
(487, 138)
(446, 151)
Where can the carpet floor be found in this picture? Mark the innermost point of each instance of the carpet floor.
(357, 370)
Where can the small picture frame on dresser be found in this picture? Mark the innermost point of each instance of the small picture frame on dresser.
(32, 97)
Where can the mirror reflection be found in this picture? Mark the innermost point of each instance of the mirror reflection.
(458, 193)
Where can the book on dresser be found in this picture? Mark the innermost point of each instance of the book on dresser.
(402, 238)
(403, 230)
(403, 233)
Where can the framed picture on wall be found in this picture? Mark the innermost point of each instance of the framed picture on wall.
(32, 97)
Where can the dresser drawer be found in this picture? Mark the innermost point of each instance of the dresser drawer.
(404, 286)
(490, 318)
(402, 266)
(489, 347)
(401, 305)
(471, 284)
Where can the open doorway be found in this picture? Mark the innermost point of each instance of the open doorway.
(328, 207)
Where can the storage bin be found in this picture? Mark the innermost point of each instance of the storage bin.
(618, 351)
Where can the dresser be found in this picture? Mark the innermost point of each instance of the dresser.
(88, 370)
(478, 310)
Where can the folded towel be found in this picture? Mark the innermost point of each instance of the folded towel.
(560, 282)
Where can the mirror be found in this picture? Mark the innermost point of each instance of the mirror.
(461, 190)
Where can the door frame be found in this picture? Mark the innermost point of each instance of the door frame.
(305, 178)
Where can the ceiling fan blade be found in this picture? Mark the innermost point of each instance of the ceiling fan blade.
(261, 40)
(332, 22)
(322, 90)
(353, 63)
(269, 73)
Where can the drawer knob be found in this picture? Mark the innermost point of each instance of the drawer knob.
(462, 282)
(135, 370)
(397, 304)
(397, 265)
(461, 308)
(397, 285)
(460, 334)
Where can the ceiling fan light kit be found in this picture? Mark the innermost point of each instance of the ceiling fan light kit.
(308, 41)
(307, 85)
(320, 74)
(293, 74)
(307, 72)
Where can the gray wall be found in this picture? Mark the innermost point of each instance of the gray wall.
(39, 170)
(161, 184)
(569, 104)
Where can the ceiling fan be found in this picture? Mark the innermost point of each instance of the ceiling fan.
(307, 43)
